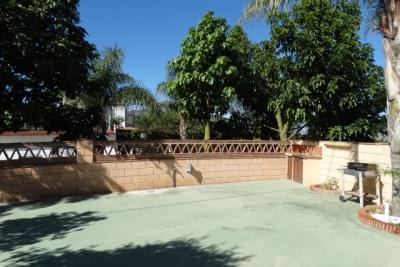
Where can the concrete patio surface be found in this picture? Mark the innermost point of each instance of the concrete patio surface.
(271, 223)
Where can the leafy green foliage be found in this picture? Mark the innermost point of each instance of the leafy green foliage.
(257, 88)
(43, 56)
(111, 86)
(159, 125)
(205, 72)
(77, 123)
(164, 124)
(128, 134)
(237, 126)
(319, 79)
(117, 120)
(331, 183)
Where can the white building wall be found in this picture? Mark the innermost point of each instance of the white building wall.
(115, 112)
(120, 112)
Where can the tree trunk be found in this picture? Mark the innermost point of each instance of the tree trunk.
(282, 127)
(109, 117)
(183, 125)
(207, 130)
(100, 118)
(392, 84)
(396, 197)
(392, 80)
(207, 127)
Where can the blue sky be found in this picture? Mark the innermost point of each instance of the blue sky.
(150, 32)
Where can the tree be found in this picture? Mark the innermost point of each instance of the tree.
(250, 90)
(205, 72)
(164, 123)
(242, 123)
(43, 56)
(110, 87)
(386, 19)
(183, 114)
(266, 92)
(311, 50)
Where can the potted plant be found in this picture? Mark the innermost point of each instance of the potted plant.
(329, 187)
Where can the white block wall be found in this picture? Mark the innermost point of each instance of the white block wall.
(334, 158)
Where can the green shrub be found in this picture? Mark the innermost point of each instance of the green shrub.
(331, 183)
(116, 121)
(164, 124)
(128, 134)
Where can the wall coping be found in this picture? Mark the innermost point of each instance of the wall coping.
(28, 133)
(333, 143)
(188, 157)
(173, 149)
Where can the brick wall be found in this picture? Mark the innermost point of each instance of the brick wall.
(88, 177)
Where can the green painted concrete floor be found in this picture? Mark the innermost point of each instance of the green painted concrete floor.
(272, 223)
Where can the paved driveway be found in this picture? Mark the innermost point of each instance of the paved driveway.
(271, 223)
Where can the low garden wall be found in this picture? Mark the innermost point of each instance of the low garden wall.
(40, 170)
(118, 167)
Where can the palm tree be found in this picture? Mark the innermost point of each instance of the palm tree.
(259, 8)
(112, 87)
(385, 19)
(183, 116)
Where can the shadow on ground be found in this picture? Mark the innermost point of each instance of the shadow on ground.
(176, 253)
(8, 208)
(27, 231)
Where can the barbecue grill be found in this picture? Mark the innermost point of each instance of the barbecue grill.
(360, 166)
(361, 171)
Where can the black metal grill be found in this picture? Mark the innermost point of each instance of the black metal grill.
(360, 166)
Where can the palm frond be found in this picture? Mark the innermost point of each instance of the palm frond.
(259, 8)
(136, 95)
(124, 79)
(161, 88)
(376, 14)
